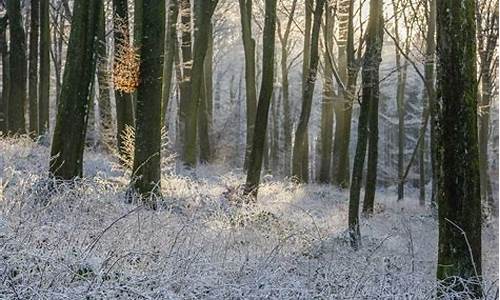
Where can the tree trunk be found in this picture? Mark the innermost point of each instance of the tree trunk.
(370, 89)
(459, 198)
(17, 67)
(300, 147)
(69, 134)
(203, 13)
(343, 103)
(123, 101)
(326, 134)
(266, 91)
(104, 100)
(170, 38)
(44, 84)
(250, 74)
(33, 67)
(146, 169)
(5, 75)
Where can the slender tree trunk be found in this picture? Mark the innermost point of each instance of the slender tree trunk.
(430, 76)
(348, 71)
(250, 73)
(326, 129)
(33, 67)
(146, 169)
(370, 86)
(203, 14)
(17, 67)
(402, 67)
(185, 83)
(285, 68)
(5, 75)
(44, 84)
(170, 38)
(266, 91)
(459, 197)
(300, 147)
(69, 134)
(123, 101)
(104, 100)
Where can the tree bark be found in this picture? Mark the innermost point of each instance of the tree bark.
(300, 147)
(266, 91)
(170, 38)
(33, 67)
(5, 75)
(146, 169)
(370, 89)
(203, 10)
(326, 130)
(250, 73)
(459, 198)
(69, 134)
(44, 84)
(104, 100)
(17, 67)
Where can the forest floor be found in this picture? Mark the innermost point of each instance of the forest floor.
(85, 241)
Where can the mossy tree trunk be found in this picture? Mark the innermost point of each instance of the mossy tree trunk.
(33, 67)
(300, 147)
(370, 94)
(459, 198)
(69, 133)
(266, 91)
(146, 169)
(44, 84)
(123, 101)
(17, 66)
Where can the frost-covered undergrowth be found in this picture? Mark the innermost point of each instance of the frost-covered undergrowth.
(83, 241)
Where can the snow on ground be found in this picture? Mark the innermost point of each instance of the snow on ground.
(84, 241)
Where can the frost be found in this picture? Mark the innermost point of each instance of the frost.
(83, 241)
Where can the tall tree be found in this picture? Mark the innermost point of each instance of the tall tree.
(285, 65)
(104, 100)
(170, 42)
(17, 67)
(123, 100)
(44, 85)
(301, 145)
(250, 73)
(4, 53)
(459, 197)
(186, 71)
(371, 173)
(33, 67)
(402, 67)
(146, 168)
(326, 129)
(203, 10)
(487, 38)
(430, 95)
(370, 90)
(69, 134)
(348, 69)
(265, 94)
